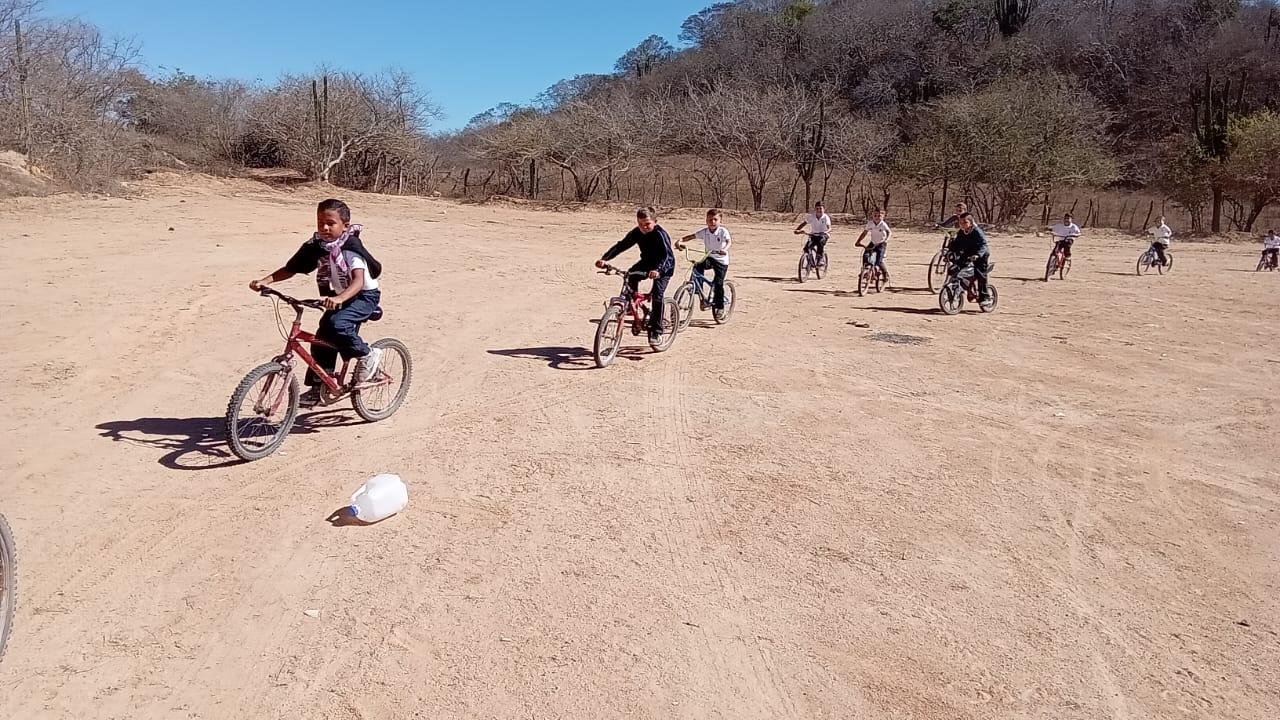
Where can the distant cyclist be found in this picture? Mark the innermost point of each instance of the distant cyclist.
(819, 223)
(1161, 236)
(1064, 234)
(954, 220)
(1271, 248)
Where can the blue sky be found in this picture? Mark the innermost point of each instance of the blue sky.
(470, 56)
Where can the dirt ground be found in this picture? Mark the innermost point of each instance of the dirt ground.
(1067, 509)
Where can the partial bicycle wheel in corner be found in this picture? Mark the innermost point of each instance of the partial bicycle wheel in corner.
(394, 373)
(8, 582)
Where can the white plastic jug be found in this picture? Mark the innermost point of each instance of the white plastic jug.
(381, 497)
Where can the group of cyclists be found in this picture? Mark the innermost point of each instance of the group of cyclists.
(966, 246)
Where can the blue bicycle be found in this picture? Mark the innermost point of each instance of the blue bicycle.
(698, 289)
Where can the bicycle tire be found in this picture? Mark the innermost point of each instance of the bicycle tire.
(1144, 261)
(937, 271)
(670, 327)
(951, 298)
(1050, 266)
(730, 300)
(805, 267)
(8, 582)
(234, 438)
(1260, 265)
(864, 281)
(820, 269)
(1168, 264)
(1064, 268)
(994, 299)
(608, 340)
(684, 300)
(880, 280)
(358, 399)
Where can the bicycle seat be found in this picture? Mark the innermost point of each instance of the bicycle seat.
(377, 314)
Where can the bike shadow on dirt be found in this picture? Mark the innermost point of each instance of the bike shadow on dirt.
(834, 293)
(770, 278)
(200, 443)
(905, 310)
(561, 357)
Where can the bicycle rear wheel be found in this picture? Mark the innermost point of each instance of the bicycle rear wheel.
(684, 301)
(992, 299)
(261, 411)
(8, 582)
(1168, 263)
(820, 268)
(670, 327)
(609, 335)
(396, 369)
(730, 298)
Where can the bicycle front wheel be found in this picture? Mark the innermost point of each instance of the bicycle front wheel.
(261, 411)
(1050, 266)
(951, 298)
(395, 372)
(1064, 268)
(1144, 262)
(8, 582)
(864, 280)
(806, 266)
(609, 336)
(937, 272)
(684, 299)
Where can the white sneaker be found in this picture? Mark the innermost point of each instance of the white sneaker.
(368, 365)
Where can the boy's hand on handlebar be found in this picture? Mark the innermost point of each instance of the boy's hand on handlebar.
(599, 263)
(653, 274)
(331, 303)
(256, 285)
(797, 232)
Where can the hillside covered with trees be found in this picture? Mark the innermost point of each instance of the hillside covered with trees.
(758, 104)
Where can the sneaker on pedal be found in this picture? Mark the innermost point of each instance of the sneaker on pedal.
(369, 365)
(310, 398)
(655, 335)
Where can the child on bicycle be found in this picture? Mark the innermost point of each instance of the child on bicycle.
(819, 223)
(954, 220)
(1162, 235)
(657, 261)
(876, 233)
(348, 274)
(1064, 234)
(1271, 248)
(970, 245)
(715, 240)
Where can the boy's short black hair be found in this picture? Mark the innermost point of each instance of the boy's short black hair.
(338, 206)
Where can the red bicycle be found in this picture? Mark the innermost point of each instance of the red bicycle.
(1058, 261)
(264, 405)
(634, 305)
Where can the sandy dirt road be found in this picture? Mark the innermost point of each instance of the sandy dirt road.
(1067, 509)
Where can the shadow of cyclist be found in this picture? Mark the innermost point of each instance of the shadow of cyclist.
(564, 358)
(200, 443)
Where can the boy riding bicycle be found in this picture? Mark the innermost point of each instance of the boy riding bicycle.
(876, 233)
(715, 240)
(1271, 248)
(1064, 234)
(1162, 235)
(347, 275)
(657, 260)
(819, 223)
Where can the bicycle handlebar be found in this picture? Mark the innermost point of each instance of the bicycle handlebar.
(611, 270)
(295, 302)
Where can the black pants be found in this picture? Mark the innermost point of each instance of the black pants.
(1159, 248)
(982, 268)
(657, 297)
(341, 329)
(1065, 244)
(819, 241)
(1272, 254)
(717, 281)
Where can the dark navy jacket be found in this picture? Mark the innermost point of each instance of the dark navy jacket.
(655, 250)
